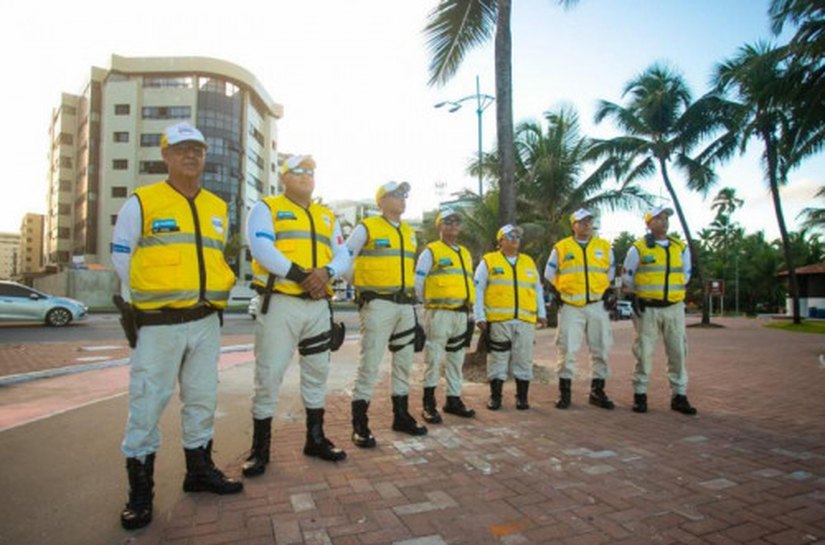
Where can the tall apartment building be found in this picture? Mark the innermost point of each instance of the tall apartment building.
(105, 142)
(9, 258)
(31, 245)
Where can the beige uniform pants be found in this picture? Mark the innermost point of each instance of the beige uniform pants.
(575, 324)
(288, 321)
(379, 320)
(441, 325)
(670, 322)
(519, 358)
(166, 354)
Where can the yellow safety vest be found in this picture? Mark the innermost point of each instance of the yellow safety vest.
(660, 276)
(179, 261)
(582, 274)
(386, 263)
(449, 284)
(302, 235)
(511, 289)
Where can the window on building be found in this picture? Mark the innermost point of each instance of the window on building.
(69, 110)
(64, 208)
(119, 191)
(63, 233)
(153, 167)
(150, 140)
(113, 219)
(120, 164)
(121, 136)
(172, 83)
(122, 109)
(167, 112)
(66, 162)
(66, 139)
(64, 185)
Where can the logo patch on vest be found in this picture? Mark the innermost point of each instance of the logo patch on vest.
(327, 221)
(168, 225)
(569, 256)
(599, 254)
(529, 273)
(382, 243)
(648, 259)
(445, 262)
(217, 223)
(285, 215)
(497, 270)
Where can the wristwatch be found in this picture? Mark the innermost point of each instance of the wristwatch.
(330, 272)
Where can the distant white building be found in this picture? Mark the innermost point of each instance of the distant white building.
(105, 142)
(350, 212)
(9, 255)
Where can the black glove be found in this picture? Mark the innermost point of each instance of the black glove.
(637, 306)
(610, 300)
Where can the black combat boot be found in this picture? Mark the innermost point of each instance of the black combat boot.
(361, 434)
(680, 403)
(597, 395)
(430, 412)
(138, 510)
(317, 444)
(494, 402)
(402, 420)
(456, 406)
(639, 403)
(203, 476)
(255, 464)
(522, 386)
(564, 391)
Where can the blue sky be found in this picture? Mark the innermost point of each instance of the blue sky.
(352, 79)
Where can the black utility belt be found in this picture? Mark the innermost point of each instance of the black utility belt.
(262, 291)
(654, 303)
(400, 298)
(172, 316)
(463, 309)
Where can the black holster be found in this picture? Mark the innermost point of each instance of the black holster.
(420, 336)
(128, 319)
(337, 331)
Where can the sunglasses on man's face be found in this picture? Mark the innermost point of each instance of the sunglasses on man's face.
(299, 171)
(398, 194)
(512, 236)
(451, 221)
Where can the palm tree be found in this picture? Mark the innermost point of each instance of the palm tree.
(662, 126)
(814, 217)
(726, 202)
(551, 181)
(453, 28)
(762, 83)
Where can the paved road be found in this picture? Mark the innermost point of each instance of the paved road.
(750, 468)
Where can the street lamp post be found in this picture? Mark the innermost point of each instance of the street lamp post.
(482, 102)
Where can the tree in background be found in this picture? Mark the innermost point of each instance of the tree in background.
(662, 126)
(814, 218)
(453, 28)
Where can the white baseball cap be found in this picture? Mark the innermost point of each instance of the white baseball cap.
(507, 229)
(579, 215)
(292, 162)
(445, 213)
(655, 211)
(181, 132)
(389, 187)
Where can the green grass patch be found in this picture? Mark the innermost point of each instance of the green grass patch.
(804, 327)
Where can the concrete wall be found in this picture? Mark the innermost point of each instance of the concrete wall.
(95, 288)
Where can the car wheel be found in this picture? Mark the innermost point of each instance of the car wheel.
(58, 317)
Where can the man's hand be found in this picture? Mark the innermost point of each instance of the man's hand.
(481, 325)
(316, 283)
(542, 323)
(610, 300)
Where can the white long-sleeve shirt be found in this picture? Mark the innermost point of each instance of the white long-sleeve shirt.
(125, 238)
(481, 285)
(261, 235)
(631, 264)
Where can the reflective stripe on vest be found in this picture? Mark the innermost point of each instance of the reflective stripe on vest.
(582, 273)
(386, 263)
(178, 261)
(302, 235)
(449, 284)
(511, 290)
(660, 275)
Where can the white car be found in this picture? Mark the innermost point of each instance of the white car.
(22, 303)
(624, 310)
